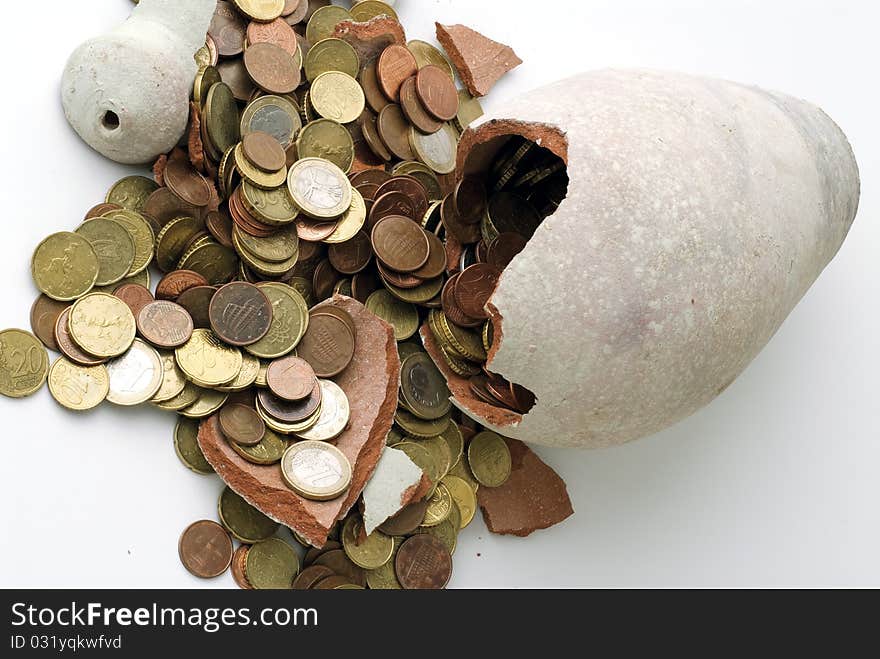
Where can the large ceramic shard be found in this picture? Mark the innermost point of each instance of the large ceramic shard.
(371, 382)
(126, 93)
(699, 212)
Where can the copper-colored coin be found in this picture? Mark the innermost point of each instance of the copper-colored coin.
(313, 574)
(239, 568)
(474, 288)
(412, 189)
(174, 283)
(288, 411)
(451, 309)
(352, 256)
(399, 279)
(400, 243)
(101, 209)
(235, 76)
(435, 266)
(184, 181)
(364, 284)
(392, 203)
(298, 9)
(135, 296)
(437, 92)
(466, 233)
(332, 583)
(394, 131)
(479, 388)
(414, 110)
(314, 231)
(314, 552)
(272, 68)
(197, 301)
(502, 390)
(372, 176)
(241, 424)
(323, 280)
(240, 313)
(219, 225)
(369, 80)
(291, 378)
(205, 549)
(407, 520)
(342, 314)
(264, 151)
(245, 221)
(328, 344)
(525, 399)
(163, 206)
(470, 199)
(502, 250)
(370, 131)
(368, 191)
(68, 348)
(396, 64)
(423, 563)
(227, 30)
(165, 324)
(44, 314)
(277, 32)
(341, 564)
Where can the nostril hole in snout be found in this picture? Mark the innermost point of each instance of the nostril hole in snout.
(110, 120)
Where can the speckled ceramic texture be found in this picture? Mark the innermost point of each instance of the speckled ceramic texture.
(142, 72)
(699, 213)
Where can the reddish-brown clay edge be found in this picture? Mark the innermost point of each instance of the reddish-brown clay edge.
(533, 498)
(371, 383)
(369, 39)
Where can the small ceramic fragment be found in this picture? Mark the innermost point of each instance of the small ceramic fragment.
(479, 61)
(390, 487)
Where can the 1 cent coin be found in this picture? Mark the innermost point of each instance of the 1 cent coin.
(352, 256)
(242, 424)
(44, 315)
(400, 243)
(264, 151)
(437, 92)
(474, 288)
(240, 314)
(291, 378)
(165, 324)
(328, 344)
(205, 549)
(423, 563)
(135, 296)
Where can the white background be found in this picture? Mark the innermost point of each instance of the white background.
(776, 483)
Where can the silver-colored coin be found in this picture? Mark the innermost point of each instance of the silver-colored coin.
(437, 151)
(273, 115)
(316, 470)
(136, 376)
(319, 188)
(334, 417)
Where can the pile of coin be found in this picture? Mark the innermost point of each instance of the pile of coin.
(307, 173)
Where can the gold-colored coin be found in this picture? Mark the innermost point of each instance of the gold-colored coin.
(323, 22)
(263, 11)
(426, 54)
(262, 381)
(329, 140)
(288, 428)
(439, 450)
(489, 459)
(173, 379)
(207, 360)
(331, 55)
(385, 577)
(446, 531)
(216, 263)
(24, 363)
(65, 266)
(173, 239)
(250, 368)
(270, 206)
(455, 441)
(424, 175)
(290, 321)
(207, 77)
(209, 402)
(184, 399)
(420, 428)
(187, 447)
(258, 265)
(102, 325)
(464, 496)
(420, 294)
(369, 9)
(467, 343)
(131, 192)
(142, 278)
(268, 451)
(256, 176)
(371, 553)
(422, 457)
(242, 520)
(141, 233)
(463, 471)
(438, 150)
(439, 506)
(221, 122)
(335, 414)
(113, 246)
(272, 565)
(469, 110)
(402, 316)
(76, 387)
(281, 246)
(338, 96)
(351, 222)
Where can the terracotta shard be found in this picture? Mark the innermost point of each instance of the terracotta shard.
(533, 498)
(480, 61)
(371, 38)
(194, 139)
(390, 488)
(371, 382)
